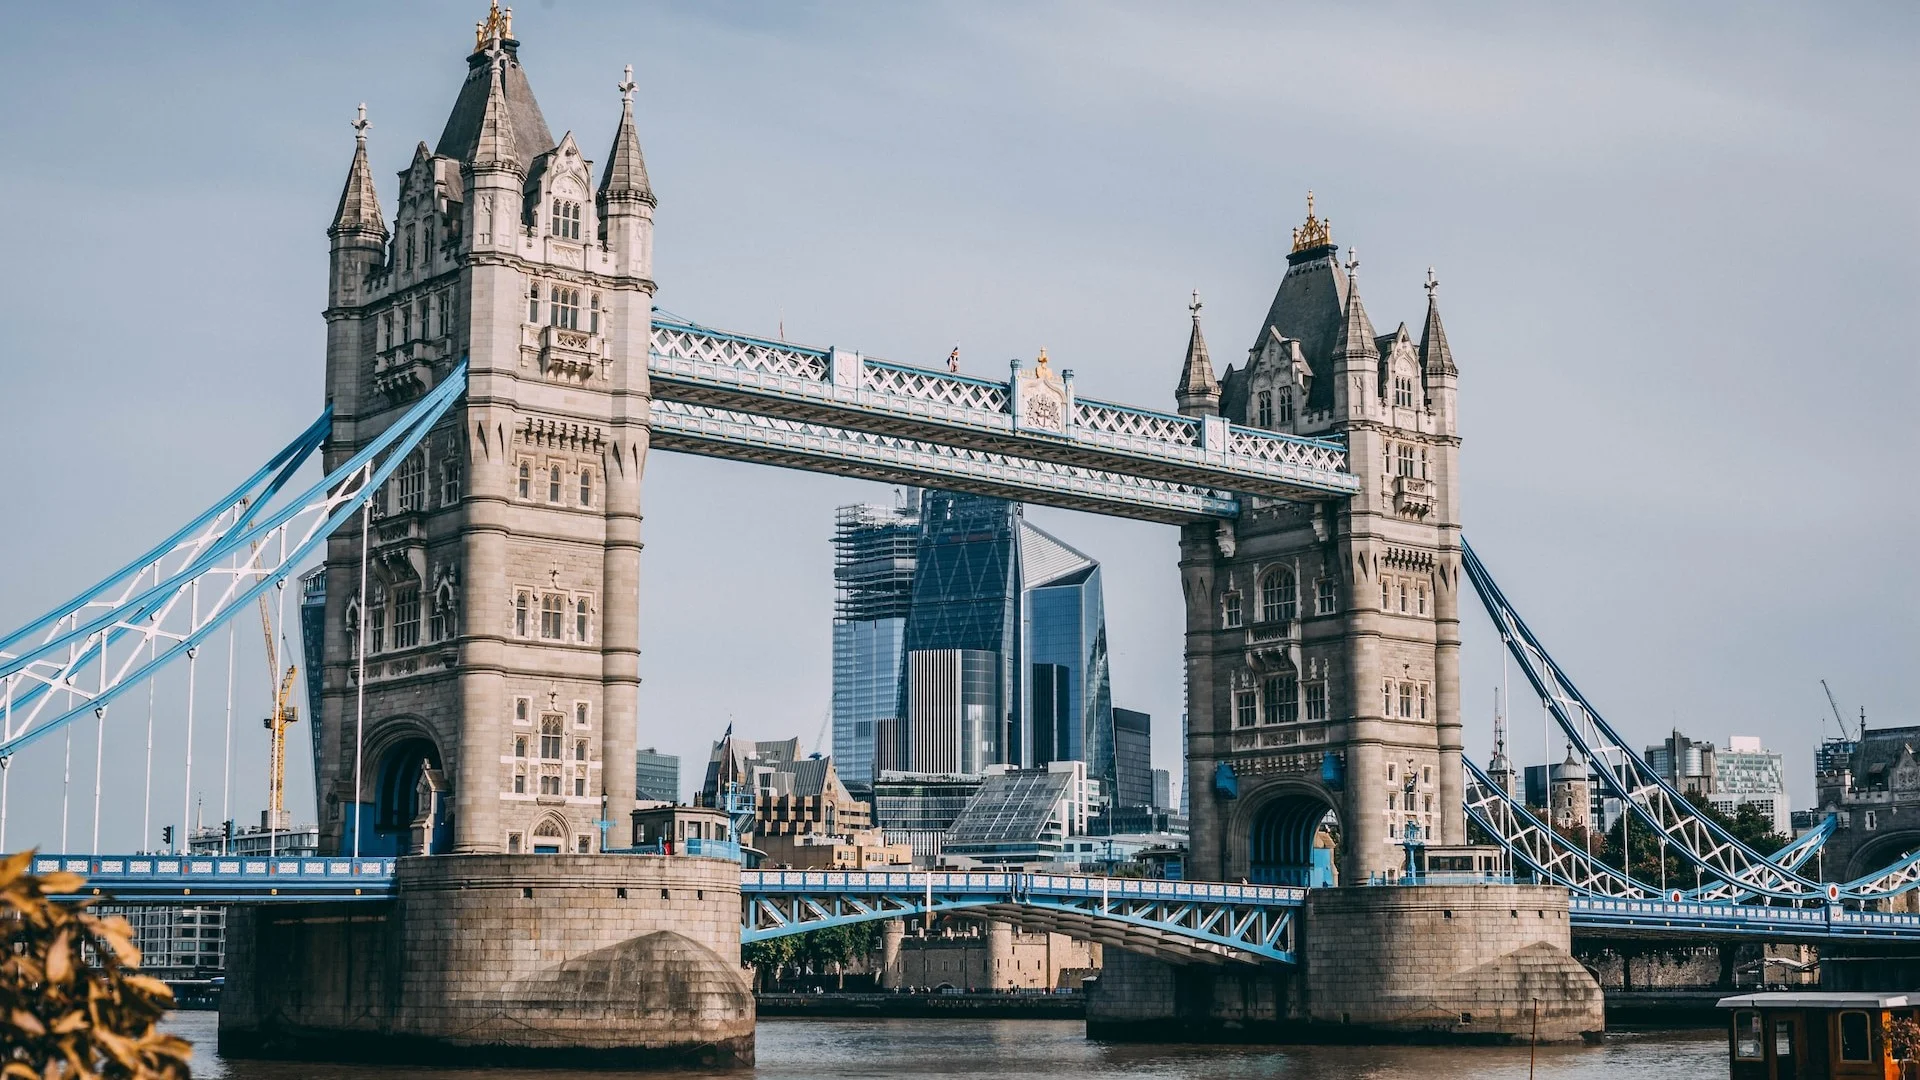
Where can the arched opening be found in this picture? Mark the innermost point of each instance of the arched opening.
(550, 836)
(396, 799)
(1292, 842)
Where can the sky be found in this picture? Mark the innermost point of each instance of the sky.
(1676, 246)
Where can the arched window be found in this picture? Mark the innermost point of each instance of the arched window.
(1278, 599)
(521, 604)
(566, 219)
(586, 487)
(563, 307)
(1264, 409)
(581, 622)
(526, 481)
(441, 626)
(533, 302)
(553, 483)
(551, 616)
(406, 616)
(550, 738)
(377, 621)
(549, 835)
(1286, 406)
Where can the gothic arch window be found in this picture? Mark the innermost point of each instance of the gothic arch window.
(526, 480)
(593, 314)
(553, 483)
(565, 221)
(582, 619)
(409, 248)
(1264, 409)
(449, 480)
(377, 621)
(586, 487)
(1403, 391)
(1230, 609)
(410, 483)
(1279, 600)
(444, 621)
(1286, 407)
(564, 307)
(550, 835)
(550, 748)
(533, 302)
(522, 603)
(406, 615)
(353, 626)
(1281, 698)
(551, 616)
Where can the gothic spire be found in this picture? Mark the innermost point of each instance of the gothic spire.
(1198, 392)
(625, 177)
(359, 209)
(494, 148)
(1355, 339)
(1435, 357)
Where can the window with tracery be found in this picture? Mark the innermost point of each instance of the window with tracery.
(551, 616)
(1278, 597)
(1264, 410)
(566, 219)
(564, 307)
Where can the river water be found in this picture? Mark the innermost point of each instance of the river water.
(1058, 1050)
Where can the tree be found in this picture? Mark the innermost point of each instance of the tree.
(818, 952)
(73, 1003)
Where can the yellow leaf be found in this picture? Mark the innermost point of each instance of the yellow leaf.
(60, 958)
(70, 1023)
(61, 883)
(149, 986)
(28, 1022)
(14, 866)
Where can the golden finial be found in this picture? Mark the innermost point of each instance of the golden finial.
(498, 26)
(1042, 362)
(1317, 232)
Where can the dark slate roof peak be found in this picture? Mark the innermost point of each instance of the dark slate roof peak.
(626, 173)
(1196, 374)
(497, 64)
(359, 209)
(1436, 358)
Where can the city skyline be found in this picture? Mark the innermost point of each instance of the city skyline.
(1557, 520)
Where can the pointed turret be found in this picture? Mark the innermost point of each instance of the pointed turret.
(1442, 378)
(359, 209)
(1198, 392)
(626, 197)
(625, 176)
(1355, 341)
(494, 147)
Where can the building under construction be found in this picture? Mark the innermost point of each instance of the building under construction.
(874, 548)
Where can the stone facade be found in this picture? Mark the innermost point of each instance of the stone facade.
(1470, 963)
(984, 956)
(594, 960)
(502, 577)
(1323, 639)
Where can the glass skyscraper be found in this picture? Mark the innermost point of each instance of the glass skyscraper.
(1069, 693)
(874, 551)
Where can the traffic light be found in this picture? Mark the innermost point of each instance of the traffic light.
(166, 836)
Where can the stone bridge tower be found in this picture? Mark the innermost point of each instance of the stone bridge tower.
(1323, 639)
(501, 607)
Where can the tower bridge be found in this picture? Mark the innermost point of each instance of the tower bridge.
(497, 374)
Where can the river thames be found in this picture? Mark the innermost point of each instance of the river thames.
(1057, 1050)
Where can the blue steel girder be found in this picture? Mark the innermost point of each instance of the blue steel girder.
(841, 389)
(221, 879)
(1595, 916)
(1648, 797)
(766, 440)
(1186, 922)
(78, 659)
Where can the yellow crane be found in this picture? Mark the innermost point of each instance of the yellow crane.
(283, 714)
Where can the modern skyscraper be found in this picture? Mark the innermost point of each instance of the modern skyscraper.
(874, 554)
(656, 776)
(1069, 696)
(1134, 774)
(962, 642)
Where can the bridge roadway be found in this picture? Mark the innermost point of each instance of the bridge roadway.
(1180, 920)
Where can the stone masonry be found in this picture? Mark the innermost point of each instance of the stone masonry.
(602, 961)
(501, 607)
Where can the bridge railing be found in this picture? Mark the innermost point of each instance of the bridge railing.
(107, 871)
(1015, 884)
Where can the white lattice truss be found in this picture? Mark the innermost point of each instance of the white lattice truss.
(77, 658)
(1624, 775)
(700, 366)
(771, 440)
(1187, 922)
(1553, 857)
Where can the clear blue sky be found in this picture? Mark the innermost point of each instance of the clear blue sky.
(1676, 246)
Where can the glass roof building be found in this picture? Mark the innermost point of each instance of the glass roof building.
(1023, 815)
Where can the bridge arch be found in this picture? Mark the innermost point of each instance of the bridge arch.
(403, 748)
(1274, 832)
(1882, 851)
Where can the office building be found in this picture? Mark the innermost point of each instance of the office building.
(1022, 817)
(917, 809)
(1134, 775)
(175, 942)
(298, 842)
(792, 795)
(656, 776)
(1748, 773)
(874, 557)
(1685, 764)
(1162, 790)
(1069, 695)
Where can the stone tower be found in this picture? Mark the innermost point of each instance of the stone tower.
(1323, 639)
(501, 607)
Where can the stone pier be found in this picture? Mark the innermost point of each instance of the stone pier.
(1466, 963)
(602, 961)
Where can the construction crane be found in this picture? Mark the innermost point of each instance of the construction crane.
(281, 686)
(821, 735)
(1835, 706)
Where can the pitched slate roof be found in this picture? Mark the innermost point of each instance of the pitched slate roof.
(530, 135)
